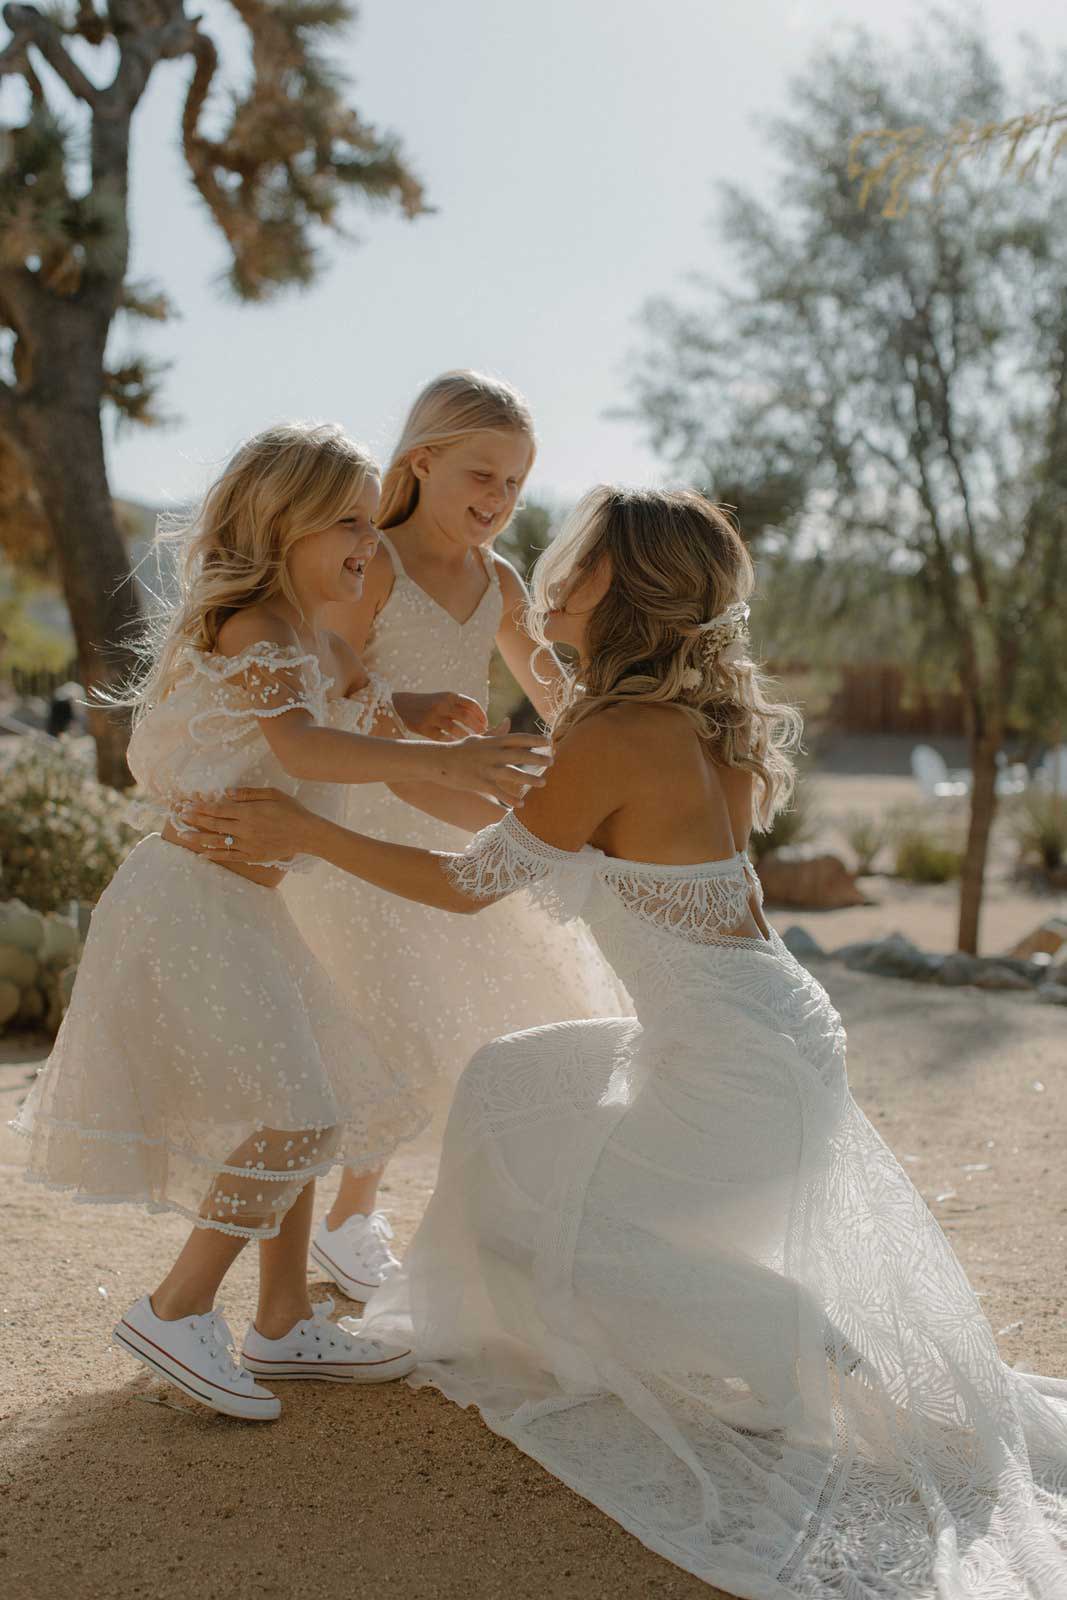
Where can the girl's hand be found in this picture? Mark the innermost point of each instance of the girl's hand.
(490, 765)
(441, 715)
(264, 825)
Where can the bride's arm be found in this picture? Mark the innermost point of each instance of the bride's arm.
(582, 789)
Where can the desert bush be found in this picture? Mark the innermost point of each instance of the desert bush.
(62, 834)
(798, 825)
(867, 836)
(924, 856)
(1038, 823)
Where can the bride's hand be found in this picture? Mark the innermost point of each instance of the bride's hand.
(247, 826)
(441, 715)
(496, 764)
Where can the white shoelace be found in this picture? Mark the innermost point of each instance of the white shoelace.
(374, 1232)
(219, 1338)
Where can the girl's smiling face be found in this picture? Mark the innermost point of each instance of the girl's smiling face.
(330, 565)
(469, 490)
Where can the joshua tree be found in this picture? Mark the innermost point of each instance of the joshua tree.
(272, 161)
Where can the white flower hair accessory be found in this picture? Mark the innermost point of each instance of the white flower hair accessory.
(721, 638)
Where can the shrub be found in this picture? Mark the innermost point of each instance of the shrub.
(1039, 825)
(866, 836)
(62, 834)
(922, 857)
(798, 825)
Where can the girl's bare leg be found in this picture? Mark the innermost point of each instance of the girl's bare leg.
(190, 1287)
(355, 1197)
(283, 1270)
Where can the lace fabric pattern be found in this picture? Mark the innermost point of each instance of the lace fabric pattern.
(672, 1261)
(206, 1064)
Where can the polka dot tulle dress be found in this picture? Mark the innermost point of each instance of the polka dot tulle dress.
(207, 1065)
(431, 986)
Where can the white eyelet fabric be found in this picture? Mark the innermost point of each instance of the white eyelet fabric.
(672, 1261)
(206, 1064)
(434, 987)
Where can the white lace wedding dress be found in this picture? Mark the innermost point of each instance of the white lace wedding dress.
(433, 987)
(673, 1262)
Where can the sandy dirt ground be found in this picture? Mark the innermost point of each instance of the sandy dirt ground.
(111, 1485)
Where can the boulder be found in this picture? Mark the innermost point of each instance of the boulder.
(9, 1000)
(1047, 939)
(32, 1008)
(800, 943)
(895, 956)
(60, 943)
(795, 876)
(18, 966)
(958, 969)
(20, 926)
(997, 975)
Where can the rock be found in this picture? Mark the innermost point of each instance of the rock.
(958, 969)
(795, 877)
(894, 957)
(1048, 938)
(60, 943)
(801, 944)
(32, 1007)
(1052, 994)
(21, 926)
(996, 975)
(18, 965)
(65, 987)
(9, 1001)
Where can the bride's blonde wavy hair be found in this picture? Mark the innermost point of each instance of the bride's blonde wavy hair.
(287, 482)
(676, 562)
(448, 409)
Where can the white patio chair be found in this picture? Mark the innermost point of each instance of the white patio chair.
(933, 776)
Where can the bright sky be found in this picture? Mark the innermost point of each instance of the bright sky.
(571, 148)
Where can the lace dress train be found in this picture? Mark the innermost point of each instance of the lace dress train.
(672, 1261)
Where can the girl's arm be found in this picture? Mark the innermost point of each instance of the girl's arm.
(470, 811)
(518, 647)
(585, 787)
(311, 752)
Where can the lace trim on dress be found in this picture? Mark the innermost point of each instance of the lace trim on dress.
(362, 708)
(701, 901)
(506, 857)
(266, 680)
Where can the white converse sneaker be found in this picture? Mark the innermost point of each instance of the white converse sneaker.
(356, 1256)
(318, 1348)
(195, 1354)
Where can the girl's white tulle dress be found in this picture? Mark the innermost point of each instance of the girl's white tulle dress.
(434, 987)
(206, 1064)
(672, 1261)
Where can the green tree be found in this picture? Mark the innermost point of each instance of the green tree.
(273, 160)
(910, 373)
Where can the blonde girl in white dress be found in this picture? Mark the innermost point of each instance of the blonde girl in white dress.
(669, 1257)
(206, 1064)
(436, 601)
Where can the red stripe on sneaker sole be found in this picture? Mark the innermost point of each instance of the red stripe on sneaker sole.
(210, 1382)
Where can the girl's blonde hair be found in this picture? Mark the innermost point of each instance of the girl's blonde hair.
(449, 409)
(279, 486)
(677, 561)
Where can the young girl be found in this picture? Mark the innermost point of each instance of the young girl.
(206, 1064)
(670, 1258)
(436, 600)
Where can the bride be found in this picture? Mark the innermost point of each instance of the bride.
(670, 1258)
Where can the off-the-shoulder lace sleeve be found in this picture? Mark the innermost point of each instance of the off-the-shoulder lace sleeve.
(506, 857)
(266, 680)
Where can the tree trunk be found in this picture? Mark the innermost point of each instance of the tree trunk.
(59, 428)
(984, 750)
